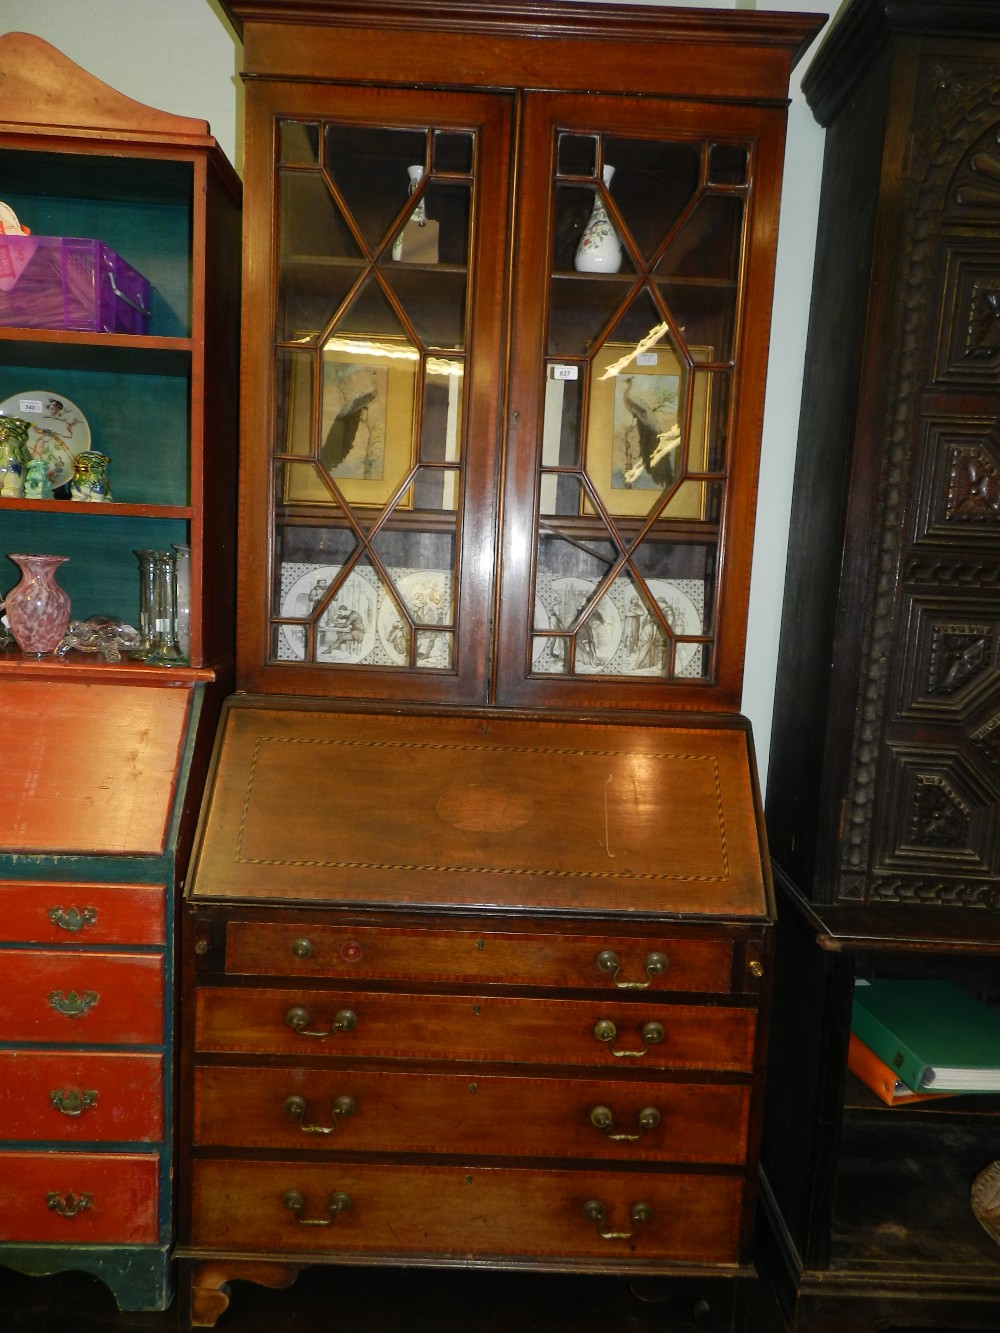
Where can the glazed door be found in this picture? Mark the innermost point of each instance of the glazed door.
(641, 321)
(377, 247)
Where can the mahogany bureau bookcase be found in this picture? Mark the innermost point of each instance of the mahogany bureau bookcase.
(103, 761)
(478, 930)
(884, 787)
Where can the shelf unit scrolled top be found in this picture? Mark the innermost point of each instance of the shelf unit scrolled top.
(43, 92)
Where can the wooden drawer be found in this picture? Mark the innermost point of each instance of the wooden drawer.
(52, 912)
(81, 998)
(75, 1096)
(364, 1110)
(536, 959)
(464, 1211)
(479, 1028)
(79, 1198)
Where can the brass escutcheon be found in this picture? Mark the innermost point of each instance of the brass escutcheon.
(296, 1107)
(68, 1205)
(654, 966)
(651, 1033)
(298, 1016)
(72, 918)
(73, 1103)
(73, 1005)
(338, 1202)
(594, 1211)
(601, 1118)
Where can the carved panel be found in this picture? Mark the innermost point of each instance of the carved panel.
(957, 493)
(951, 182)
(986, 743)
(974, 492)
(968, 338)
(950, 656)
(960, 654)
(938, 814)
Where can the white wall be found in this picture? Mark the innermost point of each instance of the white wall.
(181, 56)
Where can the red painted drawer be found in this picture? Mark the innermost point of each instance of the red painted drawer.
(50, 912)
(81, 998)
(79, 1198)
(77, 1096)
(357, 1024)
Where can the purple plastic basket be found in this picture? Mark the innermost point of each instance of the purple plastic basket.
(70, 282)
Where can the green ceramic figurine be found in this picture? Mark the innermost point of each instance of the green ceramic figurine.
(14, 456)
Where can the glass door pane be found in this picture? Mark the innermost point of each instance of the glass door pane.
(374, 254)
(645, 261)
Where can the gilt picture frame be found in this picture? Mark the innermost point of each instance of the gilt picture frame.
(366, 423)
(633, 445)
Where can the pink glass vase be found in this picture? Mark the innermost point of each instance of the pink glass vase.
(37, 608)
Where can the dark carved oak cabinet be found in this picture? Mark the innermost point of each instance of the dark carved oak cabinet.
(882, 803)
(478, 928)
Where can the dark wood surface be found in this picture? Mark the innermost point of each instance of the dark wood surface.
(389, 1300)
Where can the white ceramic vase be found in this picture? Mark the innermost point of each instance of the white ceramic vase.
(599, 249)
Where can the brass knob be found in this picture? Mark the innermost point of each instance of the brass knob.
(651, 1033)
(655, 965)
(639, 1213)
(601, 1118)
(296, 1107)
(298, 1017)
(338, 1202)
(302, 948)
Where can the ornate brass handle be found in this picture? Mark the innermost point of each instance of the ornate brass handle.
(296, 1108)
(72, 1005)
(601, 1118)
(73, 1102)
(338, 1202)
(594, 1212)
(654, 966)
(297, 1018)
(651, 1033)
(72, 918)
(68, 1205)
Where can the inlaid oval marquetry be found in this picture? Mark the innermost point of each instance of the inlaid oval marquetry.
(485, 807)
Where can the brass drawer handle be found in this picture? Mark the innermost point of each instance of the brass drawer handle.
(654, 966)
(602, 1118)
(651, 1033)
(73, 1005)
(297, 1018)
(68, 1205)
(73, 1103)
(296, 1108)
(639, 1213)
(338, 1202)
(302, 948)
(72, 918)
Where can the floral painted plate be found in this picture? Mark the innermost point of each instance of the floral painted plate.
(57, 429)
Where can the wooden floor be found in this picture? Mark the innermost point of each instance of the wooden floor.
(378, 1300)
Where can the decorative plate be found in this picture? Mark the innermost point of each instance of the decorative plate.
(345, 632)
(58, 430)
(427, 596)
(597, 640)
(645, 651)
